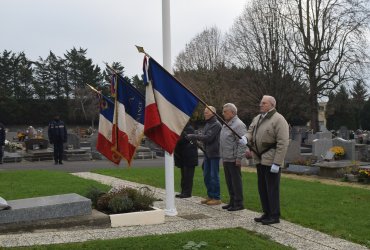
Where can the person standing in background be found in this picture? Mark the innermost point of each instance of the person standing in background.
(57, 132)
(186, 158)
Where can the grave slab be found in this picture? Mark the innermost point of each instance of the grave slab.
(47, 207)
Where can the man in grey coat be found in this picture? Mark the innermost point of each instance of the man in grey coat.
(232, 153)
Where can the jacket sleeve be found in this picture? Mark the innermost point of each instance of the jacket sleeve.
(241, 130)
(211, 134)
(282, 140)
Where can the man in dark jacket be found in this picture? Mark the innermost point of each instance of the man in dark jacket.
(211, 141)
(186, 158)
(57, 135)
(2, 141)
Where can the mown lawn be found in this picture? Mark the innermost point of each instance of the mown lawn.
(33, 183)
(339, 211)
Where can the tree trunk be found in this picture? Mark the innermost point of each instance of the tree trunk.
(314, 107)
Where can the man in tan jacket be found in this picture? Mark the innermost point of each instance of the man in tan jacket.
(268, 139)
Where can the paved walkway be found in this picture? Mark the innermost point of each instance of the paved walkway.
(199, 217)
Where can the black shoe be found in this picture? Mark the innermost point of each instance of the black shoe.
(260, 219)
(226, 206)
(269, 221)
(61, 163)
(235, 208)
(182, 196)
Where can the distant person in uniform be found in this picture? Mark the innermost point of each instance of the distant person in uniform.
(2, 141)
(57, 132)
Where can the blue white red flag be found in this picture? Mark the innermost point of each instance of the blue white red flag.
(128, 119)
(105, 141)
(169, 106)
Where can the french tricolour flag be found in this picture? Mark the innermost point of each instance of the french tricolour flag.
(129, 118)
(169, 106)
(105, 140)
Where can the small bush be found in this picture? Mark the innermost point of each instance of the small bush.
(121, 204)
(94, 194)
(122, 200)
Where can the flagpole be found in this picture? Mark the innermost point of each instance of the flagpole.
(169, 161)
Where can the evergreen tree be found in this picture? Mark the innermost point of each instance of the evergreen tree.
(359, 95)
(81, 70)
(339, 110)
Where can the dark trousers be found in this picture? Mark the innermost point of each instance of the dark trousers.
(269, 190)
(1, 154)
(58, 152)
(187, 175)
(233, 177)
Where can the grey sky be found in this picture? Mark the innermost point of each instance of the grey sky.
(109, 29)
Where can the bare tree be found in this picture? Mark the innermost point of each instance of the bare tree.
(328, 43)
(204, 52)
(256, 41)
(201, 64)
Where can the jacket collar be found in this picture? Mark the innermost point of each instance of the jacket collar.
(270, 113)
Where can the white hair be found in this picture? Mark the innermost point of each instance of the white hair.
(271, 99)
(212, 108)
(231, 107)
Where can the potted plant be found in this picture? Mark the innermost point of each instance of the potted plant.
(127, 206)
(364, 176)
(338, 152)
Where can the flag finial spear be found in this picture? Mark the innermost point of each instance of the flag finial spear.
(140, 49)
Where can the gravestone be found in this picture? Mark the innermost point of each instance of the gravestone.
(36, 144)
(144, 153)
(73, 141)
(349, 148)
(321, 146)
(343, 133)
(95, 155)
(293, 152)
(324, 135)
(12, 157)
(73, 151)
(37, 150)
(40, 208)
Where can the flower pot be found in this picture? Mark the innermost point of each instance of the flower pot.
(155, 216)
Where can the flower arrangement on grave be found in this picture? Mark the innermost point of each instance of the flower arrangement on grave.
(12, 146)
(338, 152)
(364, 175)
(122, 199)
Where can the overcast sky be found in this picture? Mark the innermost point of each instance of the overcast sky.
(108, 29)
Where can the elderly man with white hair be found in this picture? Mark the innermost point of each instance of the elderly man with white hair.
(232, 153)
(268, 139)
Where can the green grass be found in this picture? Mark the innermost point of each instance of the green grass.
(35, 183)
(235, 238)
(339, 211)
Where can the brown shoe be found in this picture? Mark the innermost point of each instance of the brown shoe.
(205, 200)
(214, 202)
